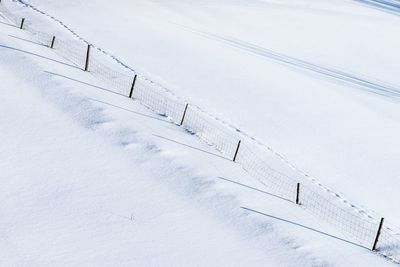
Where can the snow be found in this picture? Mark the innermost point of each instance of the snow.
(97, 180)
(71, 197)
(217, 55)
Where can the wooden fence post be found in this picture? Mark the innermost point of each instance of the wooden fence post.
(52, 42)
(237, 150)
(378, 234)
(184, 114)
(133, 86)
(22, 23)
(298, 194)
(87, 58)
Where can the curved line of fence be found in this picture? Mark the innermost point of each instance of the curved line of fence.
(260, 163)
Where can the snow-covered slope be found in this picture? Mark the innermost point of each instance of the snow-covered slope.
(91, 178)
(89, 117)
(315, 80)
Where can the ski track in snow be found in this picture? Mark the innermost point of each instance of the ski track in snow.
(372, 86)
(367, 83)
(393, 6)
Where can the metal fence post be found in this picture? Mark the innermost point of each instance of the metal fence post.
(87, 58)
(133, 86)
(52, 42)
(184, 114)
(237, 150)
(22, 23)
(378, 234)
(298, 194)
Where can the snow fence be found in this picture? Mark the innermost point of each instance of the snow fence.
(255, 158)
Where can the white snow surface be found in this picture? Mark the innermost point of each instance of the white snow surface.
(315, 80)
(87, 182)
(91, 178)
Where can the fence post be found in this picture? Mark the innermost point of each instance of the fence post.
(133, 86)
(52, 42)
(237, 150)
(22, 23)
(298, 194)
(184, 114)
(87, 58)
(378, 234)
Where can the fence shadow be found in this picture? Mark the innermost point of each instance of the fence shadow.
(192, 147)
(84, 83)
(128, 110)
(27, 40)
(37, 55)
(304, 227)
(8, 24)
(254, 188)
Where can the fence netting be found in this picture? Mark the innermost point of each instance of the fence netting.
(254, 159)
